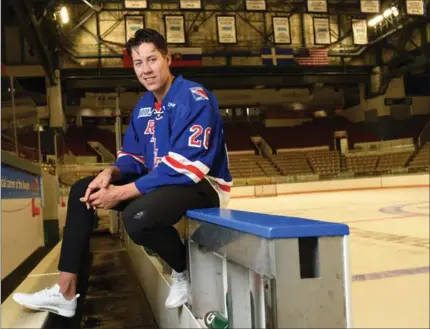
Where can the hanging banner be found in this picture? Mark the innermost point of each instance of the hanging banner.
(190, 4)
(415, 7)
(317, 6)
(281, 30)
(370, 6)
(175, 29)
(132, 24)
(255, 5)
(321, 31)
(226, 29)
(135, 4)
(359, 31)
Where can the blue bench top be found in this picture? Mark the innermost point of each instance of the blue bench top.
(268, 226)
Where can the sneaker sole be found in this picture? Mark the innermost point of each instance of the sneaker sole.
(52, 309)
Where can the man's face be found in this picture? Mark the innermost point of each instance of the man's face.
(151, 67)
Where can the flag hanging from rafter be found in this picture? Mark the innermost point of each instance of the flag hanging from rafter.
(316, 57)
(277, 57)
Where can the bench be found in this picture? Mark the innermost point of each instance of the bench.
(262, 271)
(269, 271)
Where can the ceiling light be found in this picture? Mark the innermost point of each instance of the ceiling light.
(64, 14)
(375, 20)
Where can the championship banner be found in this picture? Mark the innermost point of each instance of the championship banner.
(415, 7)
(255, 5)
(317, 6)
(132, 24)
(370, 6)
(322, 31)
(359, 31)
(226, 29)
(135, 4)
(175, 29)
(190, 4)
(281, 30)
(18, 184)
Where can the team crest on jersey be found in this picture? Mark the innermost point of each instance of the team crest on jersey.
(199, 94)
(145, 112)
(159, 113)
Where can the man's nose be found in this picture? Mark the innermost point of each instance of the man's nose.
(146, 68)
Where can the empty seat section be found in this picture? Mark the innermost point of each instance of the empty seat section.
(324, 162)
(292, 163)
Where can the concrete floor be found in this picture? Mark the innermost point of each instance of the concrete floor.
(389, 247)
(114, 298)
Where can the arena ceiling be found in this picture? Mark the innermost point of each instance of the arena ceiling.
(354, 65)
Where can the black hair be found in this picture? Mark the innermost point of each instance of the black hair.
(147, 36)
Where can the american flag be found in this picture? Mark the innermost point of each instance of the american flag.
(317, 57)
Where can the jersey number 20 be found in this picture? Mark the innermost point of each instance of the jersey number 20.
(196, 131)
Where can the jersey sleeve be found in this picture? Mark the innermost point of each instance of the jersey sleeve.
(130, 159)
(191, 155)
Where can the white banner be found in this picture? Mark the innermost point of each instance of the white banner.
(135, 4)
(359, 31)
(255, 5)
(281, 30)
(175, 29)
(322, 31)
(415, 7)
(317, 6)
(370, 6)
(132, 24)
(226, 28)
(190, 4)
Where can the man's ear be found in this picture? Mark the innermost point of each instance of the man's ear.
(169, 59)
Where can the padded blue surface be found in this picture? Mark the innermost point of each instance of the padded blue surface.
(268, 226)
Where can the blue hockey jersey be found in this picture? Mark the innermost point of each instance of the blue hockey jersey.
(178, 142)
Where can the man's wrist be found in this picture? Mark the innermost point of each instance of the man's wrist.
(115, 172)
(128, 191)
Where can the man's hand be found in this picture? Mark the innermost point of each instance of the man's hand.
(101, 181)
(106, 197)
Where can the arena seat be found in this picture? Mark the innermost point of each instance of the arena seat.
(393, 160)
(324, 162)
(362, 163)
(292, 163)
(421, 159)
(245, 165)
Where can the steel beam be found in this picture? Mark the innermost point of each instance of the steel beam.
(34, 37)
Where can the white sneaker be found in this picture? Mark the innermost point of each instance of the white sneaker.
(179, 291)
(49, 299)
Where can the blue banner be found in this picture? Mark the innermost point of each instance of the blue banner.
(18, 184)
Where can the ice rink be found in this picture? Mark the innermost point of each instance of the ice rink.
(389, 248)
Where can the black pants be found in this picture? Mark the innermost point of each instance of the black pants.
(148, 220)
